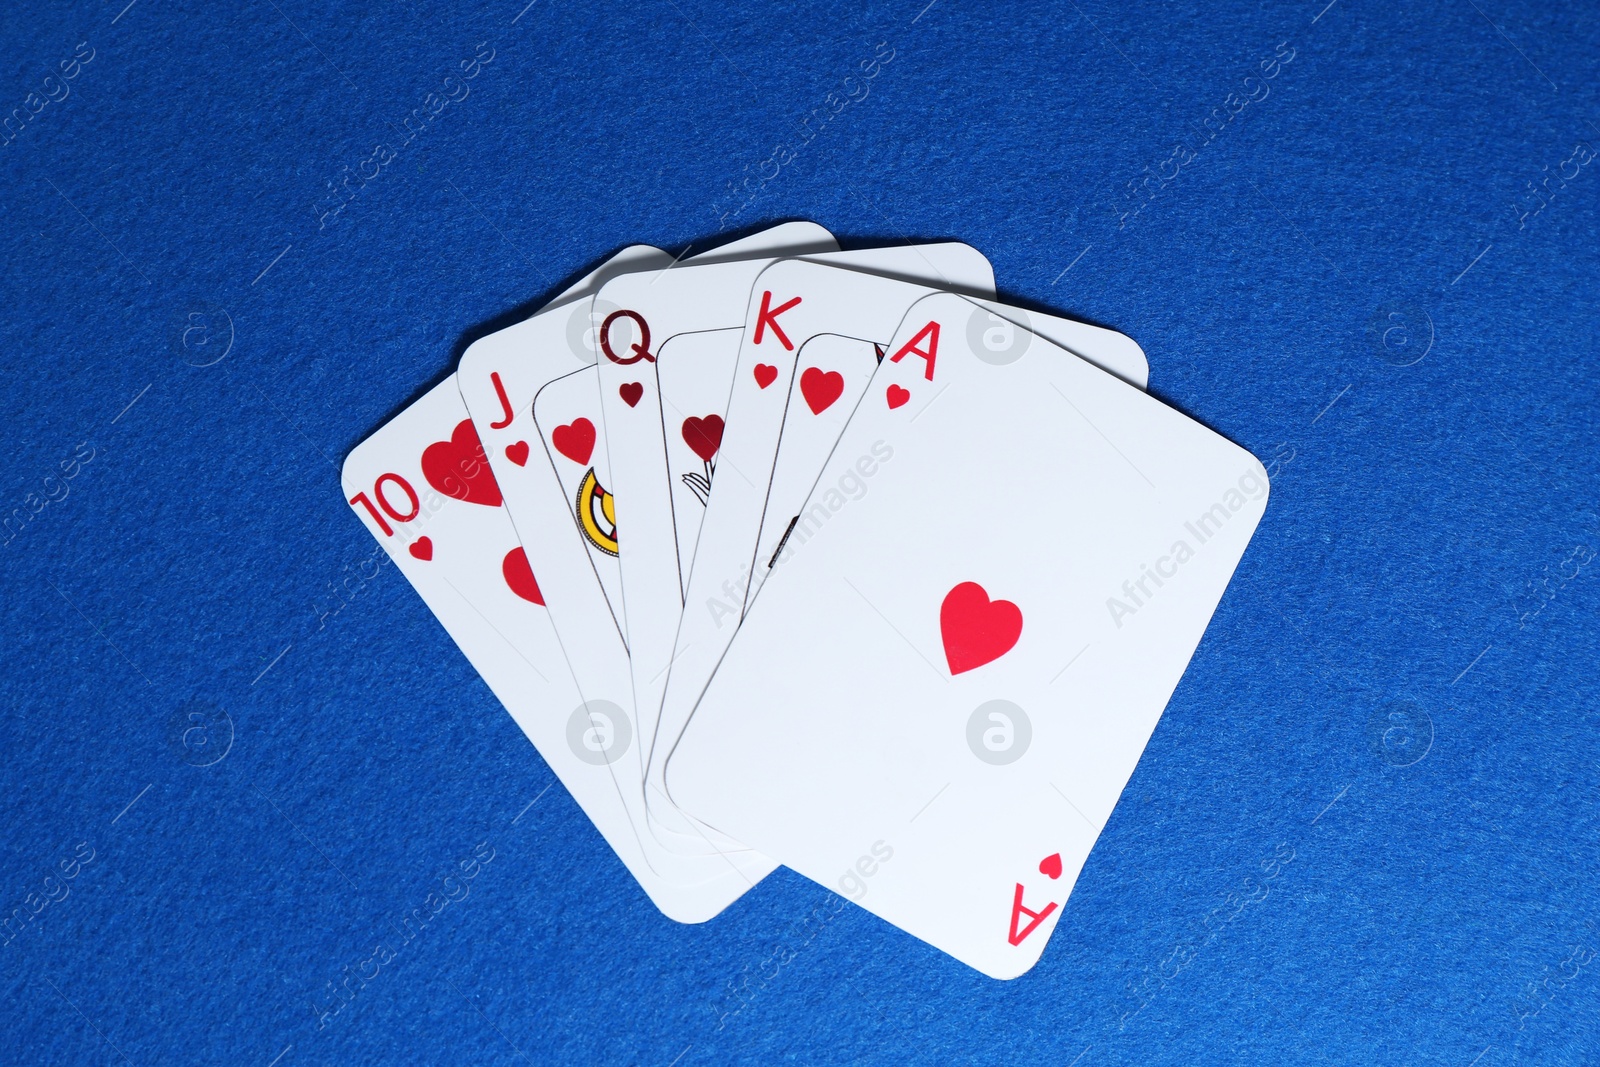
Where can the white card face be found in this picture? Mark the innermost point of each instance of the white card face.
(786, 411)
(830, 373)
(1010, 560)
(422, 486)
(499, 378)
(425, 489)
(566, 419)
(693, 371)
(833, 373)
(504, 373)
(644, 315)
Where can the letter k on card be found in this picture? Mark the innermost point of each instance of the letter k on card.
(940, 639)
(767, 319)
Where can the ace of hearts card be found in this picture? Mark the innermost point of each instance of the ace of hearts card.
(937, 697)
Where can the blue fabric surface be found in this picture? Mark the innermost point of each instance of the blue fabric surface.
(246, 758)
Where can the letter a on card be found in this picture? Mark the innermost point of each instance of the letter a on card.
(930, 333)
(1112, 475)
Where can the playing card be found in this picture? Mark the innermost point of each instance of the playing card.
(830, 371)
(642, 329)
(423, 487)
(996, 583)
(793, 390)
(644, 321)
(693, 371)
(566, 417)
(534, 397)
(499, 378)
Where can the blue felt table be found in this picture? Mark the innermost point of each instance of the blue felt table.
(1357, 239)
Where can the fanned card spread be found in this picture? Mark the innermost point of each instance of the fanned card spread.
(724, 532)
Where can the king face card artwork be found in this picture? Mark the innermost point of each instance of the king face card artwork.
(546, 357)
(647, 318)
(541, 465)
(955, 637)
(829, 373)
(426, 488)
(793, 390)
(651, 313)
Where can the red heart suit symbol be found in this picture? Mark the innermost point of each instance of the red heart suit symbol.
(897, 396)
(821, 388)
(422, 548)
(766, 374)
(519, 576)
(517, 453)
(1051, 865)
(630, 392)
(704, 436)
(575, 440)
(976, 630)
(458, 468)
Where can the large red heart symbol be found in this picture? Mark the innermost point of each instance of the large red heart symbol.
(1051, 865)
(821, 388)
(518, 453)
(422, 548)
(766, 374)
(458, 468)
(519, 576)
(896, 396)
(630, 392)
(976, 630)
(703, 435)
(575, 440)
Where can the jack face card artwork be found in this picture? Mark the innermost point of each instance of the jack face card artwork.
(426, 487)
(501, 375)
(1009, 562)
(423, 486)
(540, 469)
(497, 379)
(566, 418)
(648, 316)
(793, 391)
